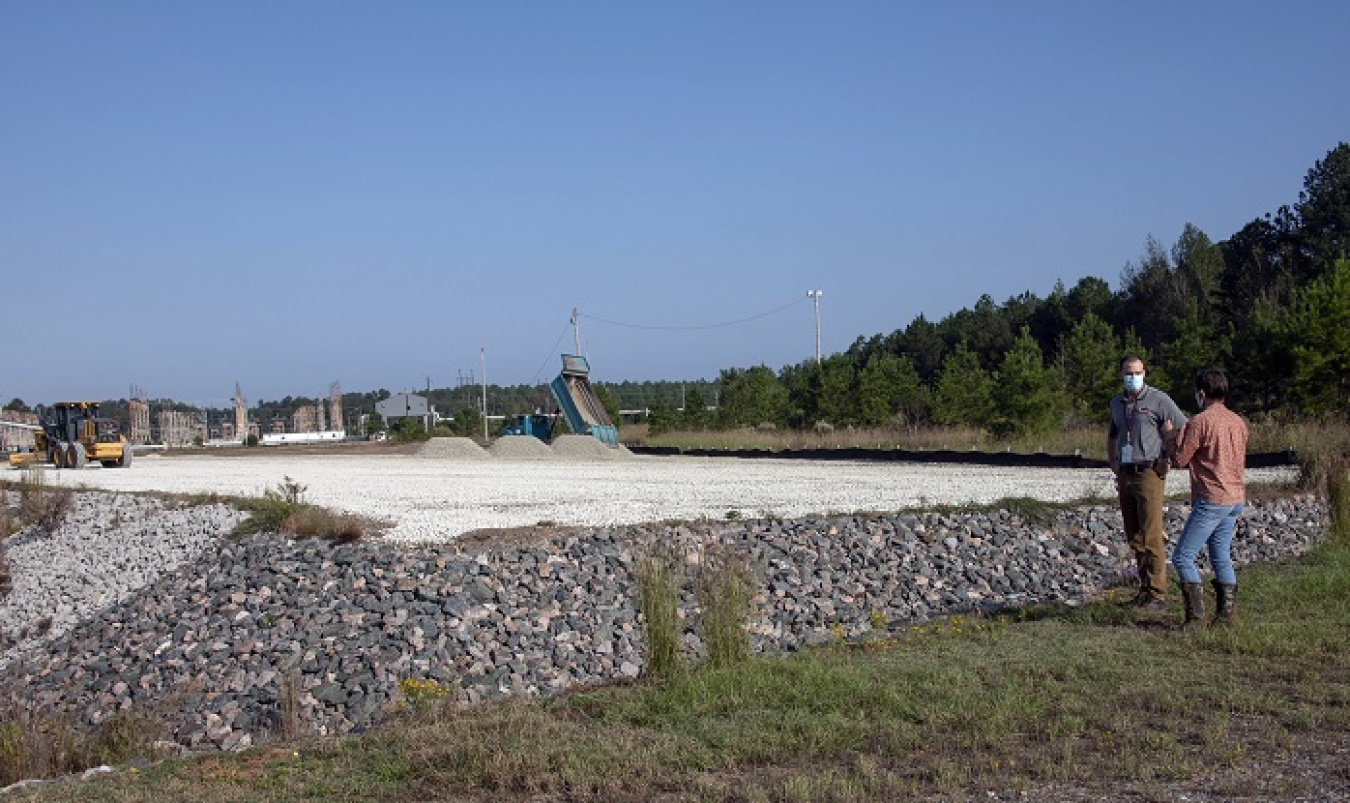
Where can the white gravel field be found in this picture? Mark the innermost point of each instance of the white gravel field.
(439, 498)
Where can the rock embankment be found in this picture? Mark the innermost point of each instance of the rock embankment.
(263, 631)
(111, 546)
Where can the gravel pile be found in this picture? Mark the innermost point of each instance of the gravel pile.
(218, 642)
(585, 447)
(520, 447)
(452, 449)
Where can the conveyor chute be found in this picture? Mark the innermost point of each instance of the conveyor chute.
(584, 413)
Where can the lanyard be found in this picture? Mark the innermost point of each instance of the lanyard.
(1131, 410)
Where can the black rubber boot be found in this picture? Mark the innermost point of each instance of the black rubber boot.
(1225, 603)
(1193, 598)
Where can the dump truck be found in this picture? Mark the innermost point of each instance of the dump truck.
(578, 406)
(581, 408)
(72, 434)
(536, 424)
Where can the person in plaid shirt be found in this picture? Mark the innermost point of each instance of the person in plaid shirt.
(1213, 445)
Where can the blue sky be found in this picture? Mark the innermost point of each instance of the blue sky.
(288, 194)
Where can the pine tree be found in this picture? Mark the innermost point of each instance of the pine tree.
(964, 393)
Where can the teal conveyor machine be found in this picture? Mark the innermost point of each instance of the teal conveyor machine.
(584, 413)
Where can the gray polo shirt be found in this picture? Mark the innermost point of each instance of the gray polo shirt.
(1138, 422)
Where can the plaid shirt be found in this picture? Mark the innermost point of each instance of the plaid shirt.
(1214, 445)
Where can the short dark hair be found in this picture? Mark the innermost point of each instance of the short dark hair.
(1213, 384)
(1131, 358)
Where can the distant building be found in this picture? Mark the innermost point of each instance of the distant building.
(180, 428)
(139, 411)
(17, 438)
(306, 419)
(403, 405)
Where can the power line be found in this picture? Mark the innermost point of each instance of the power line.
(690, 328)
(552, 351)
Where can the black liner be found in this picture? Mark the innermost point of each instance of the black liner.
(970, 458)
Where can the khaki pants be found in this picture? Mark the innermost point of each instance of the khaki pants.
(1141, 505)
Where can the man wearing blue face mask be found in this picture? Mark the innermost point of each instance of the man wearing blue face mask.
(1143, 421)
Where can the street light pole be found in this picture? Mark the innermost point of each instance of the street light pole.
(815, 295)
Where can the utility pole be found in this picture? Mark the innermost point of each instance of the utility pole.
(576, 332)
(482, 364)
(815, 295)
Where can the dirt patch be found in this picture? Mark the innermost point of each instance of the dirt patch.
(492, 537)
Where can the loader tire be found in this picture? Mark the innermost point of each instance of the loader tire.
(76, 456)
(59, 454)
(125, 462)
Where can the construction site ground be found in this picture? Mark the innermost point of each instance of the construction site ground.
(448, 487)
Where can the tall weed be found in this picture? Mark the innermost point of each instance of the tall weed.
(1338, 496)
(36, 743)
(1321, 445)
(290, 717)
(9, 523)
(659, 577)
(8, 526)
(42, 504)
(724, 586)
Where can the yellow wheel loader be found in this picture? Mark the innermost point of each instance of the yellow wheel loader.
(72, 434)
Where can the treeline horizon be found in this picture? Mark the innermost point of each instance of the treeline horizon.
(1269, 305)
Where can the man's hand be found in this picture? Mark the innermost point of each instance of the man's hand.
(1171, 439)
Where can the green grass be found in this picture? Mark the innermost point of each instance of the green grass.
(1083, 696)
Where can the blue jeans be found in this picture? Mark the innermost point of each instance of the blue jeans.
(1212, 525)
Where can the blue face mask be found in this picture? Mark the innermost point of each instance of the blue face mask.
(1134, 382)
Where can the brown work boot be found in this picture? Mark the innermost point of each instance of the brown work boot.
(1150, 603)
(1142, 593)
(1193, 599)
(1225, 603)
(1138, 597)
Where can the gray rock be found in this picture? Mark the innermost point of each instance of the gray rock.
(221, 627)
